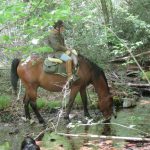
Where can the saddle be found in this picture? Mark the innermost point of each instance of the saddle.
(54, 66)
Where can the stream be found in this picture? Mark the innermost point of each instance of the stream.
(132, 122)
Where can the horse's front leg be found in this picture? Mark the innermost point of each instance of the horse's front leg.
(73, 94)
(84, 101)
(35, 109)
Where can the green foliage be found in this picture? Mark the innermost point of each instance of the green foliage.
(5, 101)
(22, 23)
(11, 11)
(31, 20)
(130, 28)
(5, 146)
(140, 9)
(145, 75)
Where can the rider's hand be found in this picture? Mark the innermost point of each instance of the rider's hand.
(68, 52)
(74, 52)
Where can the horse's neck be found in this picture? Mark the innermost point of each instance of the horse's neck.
(101, 88)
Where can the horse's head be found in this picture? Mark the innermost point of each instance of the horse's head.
(107, 108)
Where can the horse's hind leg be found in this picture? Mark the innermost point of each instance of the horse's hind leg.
(84, 101)
(26, 107)
(30, 98)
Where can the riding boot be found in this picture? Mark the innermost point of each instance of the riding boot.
(69, 69)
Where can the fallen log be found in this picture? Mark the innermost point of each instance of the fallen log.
(124, 59)
(107, 137)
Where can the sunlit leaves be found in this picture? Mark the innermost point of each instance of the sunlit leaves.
(12, 12)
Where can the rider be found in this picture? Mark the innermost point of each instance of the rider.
(56, 42)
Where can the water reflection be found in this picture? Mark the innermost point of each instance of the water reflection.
(76, 142)
(86, 131)
(106, 129)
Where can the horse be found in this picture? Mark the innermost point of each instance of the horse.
(32, 76)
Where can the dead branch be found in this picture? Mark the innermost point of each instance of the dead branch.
(134, 84)
(124, 59)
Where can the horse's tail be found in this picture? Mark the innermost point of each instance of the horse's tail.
(14, 75)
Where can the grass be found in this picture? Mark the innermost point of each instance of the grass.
(54, 104)
(78, 100)
(43, 103)
(5, 101)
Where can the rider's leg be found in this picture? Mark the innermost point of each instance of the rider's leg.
(69, 68)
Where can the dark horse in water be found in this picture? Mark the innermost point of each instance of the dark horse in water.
(32, 76)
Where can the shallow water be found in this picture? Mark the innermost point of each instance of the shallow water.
(138, 118)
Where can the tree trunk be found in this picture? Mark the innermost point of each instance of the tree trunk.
(26, 1)
(105, 11)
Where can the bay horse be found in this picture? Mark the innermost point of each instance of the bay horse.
(32, 76)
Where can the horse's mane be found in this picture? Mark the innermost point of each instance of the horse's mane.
(94, 67)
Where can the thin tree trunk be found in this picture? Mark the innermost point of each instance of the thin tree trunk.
(26, 1)
(105, 11)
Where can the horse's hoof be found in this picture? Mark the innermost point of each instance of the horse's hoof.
(88, 116)
(67, 119)
(106, 120)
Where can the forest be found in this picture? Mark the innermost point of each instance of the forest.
(110, 35)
